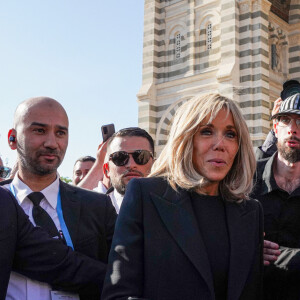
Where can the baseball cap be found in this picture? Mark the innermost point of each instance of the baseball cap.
(290, 105)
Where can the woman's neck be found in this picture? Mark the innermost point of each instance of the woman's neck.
(209, 188)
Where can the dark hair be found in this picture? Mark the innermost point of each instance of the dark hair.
(290, 87)
(133, 131)
(85, 158)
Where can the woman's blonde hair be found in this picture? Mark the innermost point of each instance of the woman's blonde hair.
(175, 161)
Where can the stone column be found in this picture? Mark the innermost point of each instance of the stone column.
(153, 29)
(294, 40)
(254, 66)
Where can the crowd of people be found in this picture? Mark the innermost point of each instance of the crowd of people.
(206, 219)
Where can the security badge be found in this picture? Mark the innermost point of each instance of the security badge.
(59, 295)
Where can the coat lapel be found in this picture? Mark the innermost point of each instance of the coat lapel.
(176, 212)
(242, 231)
(71, 210)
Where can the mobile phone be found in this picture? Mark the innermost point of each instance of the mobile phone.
(107, 131)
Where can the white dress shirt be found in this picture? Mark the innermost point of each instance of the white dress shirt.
(116, 198)
(101, 188)
(21, 287)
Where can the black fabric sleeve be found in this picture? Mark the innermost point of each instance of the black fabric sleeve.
(45, 259)
(124, 276)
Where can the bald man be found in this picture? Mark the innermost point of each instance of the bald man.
(82, 219)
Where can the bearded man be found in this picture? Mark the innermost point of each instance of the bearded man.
(277, 187)
(81, 219)
(129, 155)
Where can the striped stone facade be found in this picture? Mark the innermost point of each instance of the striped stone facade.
(244, 49)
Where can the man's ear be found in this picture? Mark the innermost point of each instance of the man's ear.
(12, 139)
(106, 170)
(275, 127)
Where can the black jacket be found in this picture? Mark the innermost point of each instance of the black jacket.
(90, 218)
(29, 251)
(158, 253)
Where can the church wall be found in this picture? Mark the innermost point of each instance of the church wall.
(201, 46)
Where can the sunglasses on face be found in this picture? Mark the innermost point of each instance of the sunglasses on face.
(4, 172)
(121, 158)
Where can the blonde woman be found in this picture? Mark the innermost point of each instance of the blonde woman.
(190, 231)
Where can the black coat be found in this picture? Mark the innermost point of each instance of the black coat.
(29, 251)
(158, 253)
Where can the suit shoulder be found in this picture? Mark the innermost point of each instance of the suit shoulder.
(150, 181)
(7, 199)
(84, 194)
(252, 204)
(147, 186)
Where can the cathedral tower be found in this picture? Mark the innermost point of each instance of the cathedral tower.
(244, 49)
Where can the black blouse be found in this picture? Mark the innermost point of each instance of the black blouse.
(211, 218)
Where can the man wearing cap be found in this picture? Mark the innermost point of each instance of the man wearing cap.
(277, 187)
(290, 87)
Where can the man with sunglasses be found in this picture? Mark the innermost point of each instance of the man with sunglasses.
(277, 187)
(130, 154)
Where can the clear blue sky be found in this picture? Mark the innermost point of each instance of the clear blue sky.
(85, 54)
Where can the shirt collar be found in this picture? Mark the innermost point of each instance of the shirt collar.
(50, 192)
(116, 199)
(101, 188)
(268, 180)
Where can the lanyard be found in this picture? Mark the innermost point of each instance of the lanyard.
(63, 225)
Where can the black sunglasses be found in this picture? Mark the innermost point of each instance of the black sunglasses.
(5, 172)
(121, 158)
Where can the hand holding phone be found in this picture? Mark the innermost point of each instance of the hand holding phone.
(107, 131)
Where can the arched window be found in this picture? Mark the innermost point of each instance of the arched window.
(208, 36)
(177, 45)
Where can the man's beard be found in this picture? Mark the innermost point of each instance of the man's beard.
(33, 166)
(119, 184)
(292, 155)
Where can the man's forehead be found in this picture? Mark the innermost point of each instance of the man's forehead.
(41, 115)
(127, 143)
(44, 112)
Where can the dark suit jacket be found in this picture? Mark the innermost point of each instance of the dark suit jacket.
(158, 253)
(90, 219)
(29, 251)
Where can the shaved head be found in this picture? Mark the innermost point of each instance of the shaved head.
(25, 108)
(40, 136)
